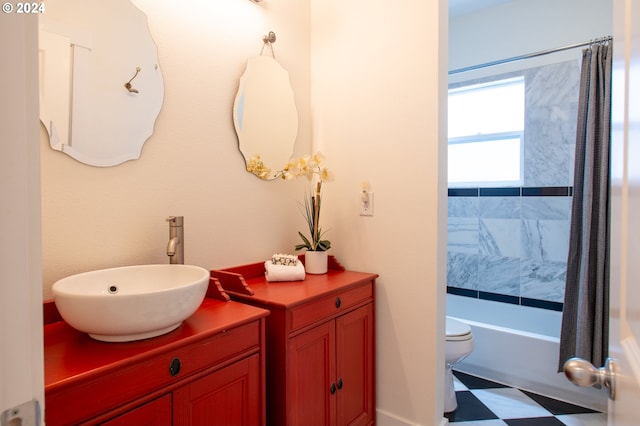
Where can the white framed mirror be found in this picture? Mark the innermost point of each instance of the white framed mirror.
(101, 88)
(265, 117)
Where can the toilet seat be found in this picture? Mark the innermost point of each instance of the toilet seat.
(457, 330)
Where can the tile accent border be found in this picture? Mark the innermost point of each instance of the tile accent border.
(513, 300)
(531, 191)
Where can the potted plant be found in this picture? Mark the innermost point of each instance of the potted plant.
(316, 247)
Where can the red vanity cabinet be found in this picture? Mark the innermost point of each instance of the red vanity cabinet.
(211, 370)
(331, 372)
(320, 344)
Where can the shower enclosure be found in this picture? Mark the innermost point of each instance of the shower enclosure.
(507, 245)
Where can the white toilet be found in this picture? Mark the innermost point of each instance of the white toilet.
(458, 345)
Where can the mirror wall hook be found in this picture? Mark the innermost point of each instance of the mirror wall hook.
(128, 85)
(269, 39)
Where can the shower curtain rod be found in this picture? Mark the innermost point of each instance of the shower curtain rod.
(530, 55)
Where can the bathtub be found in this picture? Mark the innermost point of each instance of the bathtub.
(518, 346)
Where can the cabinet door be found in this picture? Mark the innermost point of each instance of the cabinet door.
(311, 371)
(230, 396)
(355, 367)
(154, 413)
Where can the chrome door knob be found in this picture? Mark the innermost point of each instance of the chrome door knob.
(581, 372)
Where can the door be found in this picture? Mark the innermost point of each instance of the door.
(156, 412)
(354, 366)
(230, 396)
(21, 352)
(624, 344)
(310, 396)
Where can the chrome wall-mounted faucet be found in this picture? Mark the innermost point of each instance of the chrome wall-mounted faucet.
(175, 247)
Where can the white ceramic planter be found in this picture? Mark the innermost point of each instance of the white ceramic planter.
(315, 262)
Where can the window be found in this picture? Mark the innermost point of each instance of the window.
(486, 129)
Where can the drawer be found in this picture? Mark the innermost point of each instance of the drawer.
(328, 306)
(218, 348)
(124, 381)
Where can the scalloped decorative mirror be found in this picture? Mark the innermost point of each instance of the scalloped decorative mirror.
(265, 117)
(101, 88)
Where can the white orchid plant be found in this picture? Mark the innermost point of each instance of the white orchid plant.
(310, 167)
(256, 166)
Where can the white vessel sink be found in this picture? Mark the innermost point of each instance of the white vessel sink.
(131, 302)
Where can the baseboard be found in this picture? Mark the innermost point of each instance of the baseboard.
(385, 418)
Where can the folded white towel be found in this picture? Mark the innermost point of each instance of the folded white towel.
(283, 272)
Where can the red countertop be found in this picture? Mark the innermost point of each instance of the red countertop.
(72, 356)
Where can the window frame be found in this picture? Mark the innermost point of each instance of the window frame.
(488, 137)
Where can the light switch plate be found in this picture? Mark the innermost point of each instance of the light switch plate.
(366, 208)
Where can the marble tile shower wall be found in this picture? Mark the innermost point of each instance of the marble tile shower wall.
(510, 244)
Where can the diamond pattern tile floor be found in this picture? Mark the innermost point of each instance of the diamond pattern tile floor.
(485, 403)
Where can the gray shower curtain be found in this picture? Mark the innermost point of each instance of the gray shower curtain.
(585, 318)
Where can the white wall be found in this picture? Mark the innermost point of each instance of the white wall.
(191, 166)
(379, 81)
(522, 26)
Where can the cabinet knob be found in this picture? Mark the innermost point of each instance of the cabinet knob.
(174, 367)
(340, 383)
(333, 388)
(338, 302)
